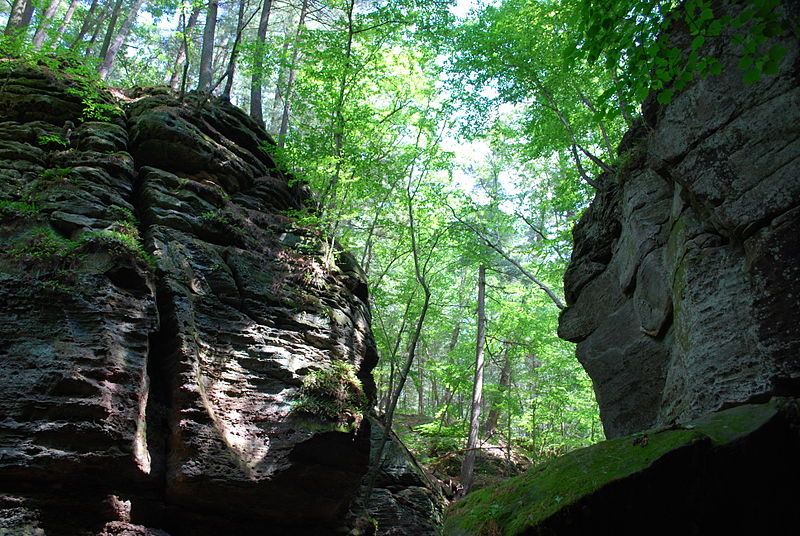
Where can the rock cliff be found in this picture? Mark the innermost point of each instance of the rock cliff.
(162, 310)
(683, 288)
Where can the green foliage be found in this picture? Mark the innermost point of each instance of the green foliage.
(17, 209)
(46, 140)
(333, 394)
(633, 36)
(122, 242)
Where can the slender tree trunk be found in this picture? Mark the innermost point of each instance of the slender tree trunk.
(119, 40)
(256, 98)
(67, 19)
(87, 23)
(468, 468)
(19, 17)
(420, 387)
(240, 24)
(183, 47)
(110, 31)
(41, 32)
(492, 417)
(419, 272)
(287, 96)
(207, 52)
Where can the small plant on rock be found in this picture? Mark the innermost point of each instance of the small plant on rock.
(118, 244)
(333, 394)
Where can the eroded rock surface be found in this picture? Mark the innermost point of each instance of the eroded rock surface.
(161, 310)
(684, 284)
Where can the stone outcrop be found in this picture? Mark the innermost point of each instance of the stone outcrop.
(684, 284)
(161, 311)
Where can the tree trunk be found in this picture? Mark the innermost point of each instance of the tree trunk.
(119, 40)
(256, 98)
(226, 91)
(67, 19)
(183, 47)
(19, 17)
(41, 32)
(490, 425)
(87, 23)
(287, 94)
(207, 52)
(468, 467)
(110, 31)
(419, 271)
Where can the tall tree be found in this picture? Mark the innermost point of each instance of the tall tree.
(256, 86)
(283, 128)
(20, 17)
(44, 25)
(73, 5)
(207, 53)
(468, 467)
(111, 53)
(187, 26)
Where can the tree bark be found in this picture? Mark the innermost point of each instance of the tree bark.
(183, 47)
(19, 17)
(67, 19)
(492, 417)
(256, 97)
(468, 467)
(207, 52)
(226, 91)
(41, 32)
(87, 23)
(110, 31)
(287, 95)
(119, 40)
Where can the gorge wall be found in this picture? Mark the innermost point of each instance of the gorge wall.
(682, 290)
(161, 310)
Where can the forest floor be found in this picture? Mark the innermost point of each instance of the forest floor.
(441, 453)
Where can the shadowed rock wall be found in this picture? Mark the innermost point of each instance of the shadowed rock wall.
(684, 284)
(152, 386)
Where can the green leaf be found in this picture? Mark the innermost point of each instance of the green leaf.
(771, 67)
(665, 97)
(698, 41)
(715, 67)
(745, 62)
(751, 76)
(777, 52)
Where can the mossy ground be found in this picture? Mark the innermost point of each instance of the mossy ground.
(519, 504)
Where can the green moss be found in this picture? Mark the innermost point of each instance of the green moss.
(334, 396)
(122, 242)
(520, 503)
(523, 501)
(729, 425)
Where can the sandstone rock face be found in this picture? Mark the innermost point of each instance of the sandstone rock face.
(161, 309)
(684, 284)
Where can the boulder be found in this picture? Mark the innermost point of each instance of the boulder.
(682, 290)
(162, 315)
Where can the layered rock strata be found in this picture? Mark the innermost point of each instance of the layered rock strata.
(161, 310)
(684, 284)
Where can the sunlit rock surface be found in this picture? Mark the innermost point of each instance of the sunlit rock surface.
(684, 284)
(149, 391)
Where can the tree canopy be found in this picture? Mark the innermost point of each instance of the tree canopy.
(444, 147)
